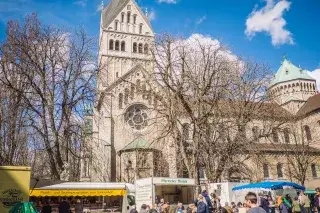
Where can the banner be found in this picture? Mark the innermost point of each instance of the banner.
(76, 193)
(14, 186)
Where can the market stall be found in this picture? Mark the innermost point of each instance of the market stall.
(274, 189)
(172, 190)
(118, 197)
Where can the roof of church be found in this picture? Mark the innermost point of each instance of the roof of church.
(138, 143)
(312, 104)
(289, 72)
(110, 12)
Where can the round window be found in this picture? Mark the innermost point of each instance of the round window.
(136, 117)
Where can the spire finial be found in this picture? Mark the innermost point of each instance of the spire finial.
(284, 56)
(146, 11)
(102, 5)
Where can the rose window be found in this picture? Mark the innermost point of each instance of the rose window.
(136, 117)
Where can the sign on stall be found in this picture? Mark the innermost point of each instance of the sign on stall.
(174, 181)
(14, 186)
(144, 190)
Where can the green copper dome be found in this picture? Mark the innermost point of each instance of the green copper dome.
(289, 72)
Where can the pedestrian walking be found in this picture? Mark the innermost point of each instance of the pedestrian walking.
(64, 206)
(154, 209)
(207, 200)
(143, 208)
(78, 207)
(215, 202)
(304, 202)
(296, 205)
(252, 202)
(201, 205)
(316, 200)
(46, 208)
(264, 203)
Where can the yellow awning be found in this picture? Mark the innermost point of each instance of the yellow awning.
(75, 193)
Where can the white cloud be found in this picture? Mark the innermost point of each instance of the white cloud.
(168, 1)
(199, 21)
(81, 3)
(270, 19)
(152, 15)
(316, 75)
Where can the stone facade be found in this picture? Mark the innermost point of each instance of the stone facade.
(122, 133)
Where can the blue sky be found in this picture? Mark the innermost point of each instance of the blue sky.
(273, 28)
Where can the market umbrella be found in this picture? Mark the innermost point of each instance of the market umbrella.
(24, 207)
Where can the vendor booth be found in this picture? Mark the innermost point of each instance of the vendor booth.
(172, 190)
(117, 197)
(274, 189)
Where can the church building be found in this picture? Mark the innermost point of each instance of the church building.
(123, 134)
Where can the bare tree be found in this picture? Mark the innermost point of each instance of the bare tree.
(57, 72)
(207, 99)
(297, 145)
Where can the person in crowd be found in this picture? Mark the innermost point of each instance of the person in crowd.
(227, 208)
(179, 208)
(296, 205)
(233, 207)
(161, 203)
(316, 200)
(238, 206)
(201, 205)
(154, 208)
(78, 207)
(207, 200)
(165, 208)
(286, 204)
(190, 208)
(143, 208)
(272, 205)
(46, 208)
(264, 203)
(64, 206)
(133, 211)
(252, 202)
(215, 202)
(304, 202)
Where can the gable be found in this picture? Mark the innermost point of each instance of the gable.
(118, 11)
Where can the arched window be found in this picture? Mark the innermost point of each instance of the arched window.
(140, 48)
(117, 45)
(308, 132)
(122, 17)
(120, 100)
(134, 47)
(134, 19)
(126, 95)
(275, 135)
(280, 170)
(116, 25)
(286, 135)
(266, 171)
(255, 132)
(146, 48)
(128, 17)
(185, 131)
(140, 29)
(314, 170)
(132, 91)
(111, 44)
(123, 46)
(149, 97)
(138, 86)
(144, 91)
